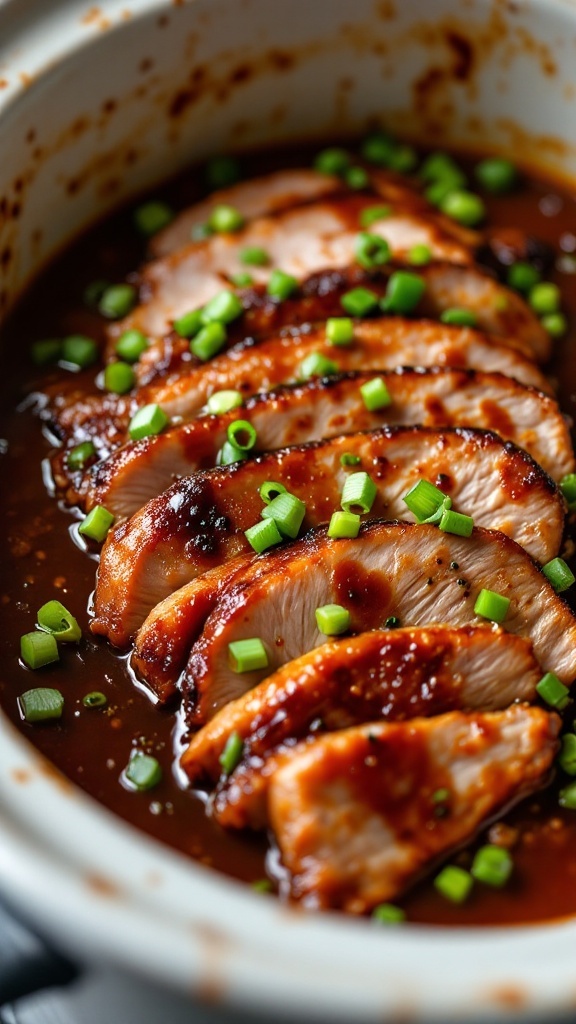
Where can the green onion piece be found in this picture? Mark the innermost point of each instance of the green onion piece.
(316, 365)
(78, 457)
(333, 619)
(567, 756)
(152, 217)
(254, 256)
(288, 513)
(424, 500)
(455, 522)
(225, 218)
(200, 232)
(403, 292)
(560, 575)
(392, 622)
(378, 149)
(143, 771)
(438, 514)
(209, 341)
(464, 207)
(93, 292)
(281, 285)
(492, 865)
(522, 276)
(567, 797)
(232, 753)
(332, 161)
(441, 796)
(54, 618)
(224, 401)
(459, 316)
(79, 350)
(41, 704)
(496, 175)
(131, 345)
(117, 301)
(437, 192)
(545, 298)
(97, 523)
(222, 171)
(359, 493)
(95, 699)
(359, 301)
(568, 488)
(262, 885)
(229, 454)
(242, 435)
(46, 351)
(388, 913)
(420, 255)
(553, 692)
(188, 325)
(357, 178)
(370, 214)
(263, 535)
(242, 280)
(344, 524)
(340, 330)
(375, 394)
(371, 250)
(555, 324)
(38, 649)
(247, 655)
(454, 883)
(491, 605)
(439, 166)
(349, 459)
(269, 490)
(119, 378)
(149, 419)
(403, 159)
(222, 309)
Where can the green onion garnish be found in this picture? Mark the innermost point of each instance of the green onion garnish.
(436, 192)
(553, 692)
(119, 378)
(371, 250)
(288, 513)
(146, 421)
(420, 255)
(200, 232)
(96, 524)
(225, 218)
(424, 500)
(41, 704)
(349, 459)
(229, 454)
(254, 256)
(559, 574)
(555, 324)
(232, 753)
(340, 330)
(392, 622)
(208, 341)
(333, 619)
(262, 885)
(388, 913)
(224, 401)
(38, 649)
(46, 351)
(242, 435)
(522, 276)
(359, 493)
(222, 309)
(567, 797)
(403, 292)
(78, 457)
(54, 618)
(567, 755)
(545, 298)
(359, 301)
(344, 524)
(403, 159)
(131, 345)
(332, 161)
(568, 488)
(370, 214)
(316, 365)
(464, 207)
(375, 394)
(152, 217)
(459, 316)
(79, 350)
(356, 178)
(454, 883)
(222, 171)
(247, 655)
(281, 285)
(270, 489)
(117, 301)
(188, 325)
(439, 167)
(93, 292)
(242, 280)
(143, 771)
(492, 865)
(263, 535)
(496, 175)
(491, 605)
(378, 148)
(95, 699)
(455, 522)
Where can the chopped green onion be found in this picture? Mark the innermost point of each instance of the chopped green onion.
(262, 885)
(263, 535)
(232, 753)
(420, 255)
(117, 301)
(38, 649)
(424, 500)
(344, 524)
(359, 301)
(545, 298)
(152, 217)
(388, 913)
(229, 454)
(222, 171)
(349, 459)
(242, 280)
(54, 618)
(333, 619)
(224, 401)
(378, 149)
(334, 161)
(254, 256)
(93, 292)
(143, 771)
(96, 524)
(188, 325)
(371, 250)
(439, 166)
(553, 692)
(370, 214)
(225, 218)
(288, 513)
(492, 865)
(403, 292)
(340, 330)
(464, 207)
(79, 350)
(437, 192)
(209, 341)
(392, 622)
(491, 605)
(459, 316)
(41, 704)
(222, 309)
(149, 419)
(441, 796)
(95, 699)
(403, 159)
(567, 756)
(356, 178)
(281, 285)
(568, 488)
(559, 574)
(247, 655)
(316, 365)
(567, 797)
(455, 522)
(78, 457)
(46, 351)
(131, 345)
(375, 394)
(555, 324)
(522, 276)
(496, 175)
(200, 232)
(454, 883)
(242, 435)
(359, 493)
(436, 516)
(269, 490)
(119, 378)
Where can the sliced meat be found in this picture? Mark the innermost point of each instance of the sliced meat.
(354, 814)
(390, 569)
(395, 674)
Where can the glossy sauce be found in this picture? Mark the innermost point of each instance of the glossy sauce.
(40, 561)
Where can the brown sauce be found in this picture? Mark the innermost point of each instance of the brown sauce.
(40, 562)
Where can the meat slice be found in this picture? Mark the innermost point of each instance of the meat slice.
(354, 813)
(392, 674)
(200, 521)
(390, 569)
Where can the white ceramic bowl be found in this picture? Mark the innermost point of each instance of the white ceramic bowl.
(96, 104)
